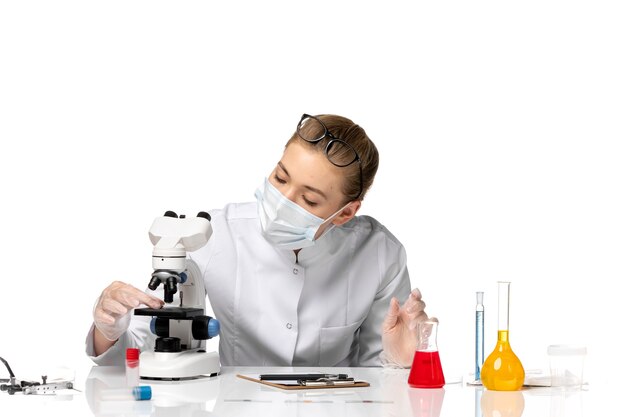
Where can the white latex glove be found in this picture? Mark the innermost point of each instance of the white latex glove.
(112, 311)
(400, 330)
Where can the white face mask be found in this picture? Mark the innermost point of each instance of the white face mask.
(284, 223)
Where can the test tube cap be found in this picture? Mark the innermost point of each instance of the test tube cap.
(132, 354)
(142, 392)
(567, 350)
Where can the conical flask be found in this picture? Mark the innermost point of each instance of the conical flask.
(502, 370)
(426, 371)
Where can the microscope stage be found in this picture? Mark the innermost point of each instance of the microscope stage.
(177, 313)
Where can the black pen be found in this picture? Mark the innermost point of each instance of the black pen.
(327, 382)
(300, 377)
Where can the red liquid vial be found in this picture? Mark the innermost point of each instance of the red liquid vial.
(426, 370)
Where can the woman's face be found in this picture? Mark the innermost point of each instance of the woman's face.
(306, 177)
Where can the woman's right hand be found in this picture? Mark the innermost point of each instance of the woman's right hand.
(111, 314)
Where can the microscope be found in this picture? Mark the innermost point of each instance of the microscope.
(181, 326)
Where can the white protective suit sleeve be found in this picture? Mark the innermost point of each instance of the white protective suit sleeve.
(395, 282)
(138, 336)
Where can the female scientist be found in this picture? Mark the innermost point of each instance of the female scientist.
(295, 279)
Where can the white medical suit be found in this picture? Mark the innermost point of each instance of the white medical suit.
(323, 307)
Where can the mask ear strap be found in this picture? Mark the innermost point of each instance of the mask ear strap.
(332, 216)
(329, 219)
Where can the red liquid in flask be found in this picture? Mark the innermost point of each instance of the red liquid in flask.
(426, 370)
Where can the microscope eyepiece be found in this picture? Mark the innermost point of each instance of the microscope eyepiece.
(204, 215)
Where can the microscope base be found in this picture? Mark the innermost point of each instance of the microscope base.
(179, 365)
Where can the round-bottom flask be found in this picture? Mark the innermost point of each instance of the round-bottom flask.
(502, 370)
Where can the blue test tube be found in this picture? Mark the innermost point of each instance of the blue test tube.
(480, 335)
(139, 393)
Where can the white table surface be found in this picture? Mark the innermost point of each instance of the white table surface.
(388, 395)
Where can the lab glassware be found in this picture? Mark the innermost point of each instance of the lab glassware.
(480, 335)
(132, 367)
(426, 370)
(502, 370)
(566, 366)
(139, 393)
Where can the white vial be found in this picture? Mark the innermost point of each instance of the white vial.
(132, 367)
(141, 393)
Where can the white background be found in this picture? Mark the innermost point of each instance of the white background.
(500, 127)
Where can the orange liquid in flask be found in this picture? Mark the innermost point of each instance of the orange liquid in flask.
(502, 370)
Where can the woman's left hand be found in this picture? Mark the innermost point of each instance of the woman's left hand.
(400, 328)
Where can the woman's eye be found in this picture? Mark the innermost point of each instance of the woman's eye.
(279, 180)
(308, 202)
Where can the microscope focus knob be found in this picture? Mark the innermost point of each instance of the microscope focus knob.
(204, 327)
(204, 215)
(160, 326)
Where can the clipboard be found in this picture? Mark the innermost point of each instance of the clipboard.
(295, 386)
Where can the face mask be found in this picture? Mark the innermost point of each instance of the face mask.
(284, 223)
